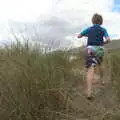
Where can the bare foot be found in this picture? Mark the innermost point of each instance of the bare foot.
(103, 83)
(91, 98)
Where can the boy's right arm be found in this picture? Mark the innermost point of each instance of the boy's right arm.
(79, 36)
(83, 33)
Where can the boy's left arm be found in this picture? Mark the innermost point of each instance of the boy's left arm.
(106, 35)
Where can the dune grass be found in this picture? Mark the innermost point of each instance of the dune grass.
(34, 85)
(37, 86)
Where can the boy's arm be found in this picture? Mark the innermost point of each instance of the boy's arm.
(79, 36)
(107, 38)
(83, 33)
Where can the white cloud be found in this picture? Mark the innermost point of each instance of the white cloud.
(75, 9)
(23, 10)
(76, 12)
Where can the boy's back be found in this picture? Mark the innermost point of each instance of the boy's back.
(95, 35)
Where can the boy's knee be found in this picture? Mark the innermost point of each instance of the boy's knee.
(91, 61)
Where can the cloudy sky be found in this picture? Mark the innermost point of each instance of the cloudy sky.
(58, 19)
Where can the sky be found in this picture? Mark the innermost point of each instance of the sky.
(64, 17)
(116, 7)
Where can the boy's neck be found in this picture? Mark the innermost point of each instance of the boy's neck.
(96, 24)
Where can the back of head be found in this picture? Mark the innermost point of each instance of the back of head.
(97, 19)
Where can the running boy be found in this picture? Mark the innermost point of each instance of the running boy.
(94, 49)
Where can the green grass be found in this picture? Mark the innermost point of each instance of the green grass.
(33, 85)
(37, 86)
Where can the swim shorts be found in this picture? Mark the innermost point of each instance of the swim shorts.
(93, 56)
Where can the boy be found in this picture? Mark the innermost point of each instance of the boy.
(95, 49)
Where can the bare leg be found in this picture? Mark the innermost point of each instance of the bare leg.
(90, 75)
(100, 67)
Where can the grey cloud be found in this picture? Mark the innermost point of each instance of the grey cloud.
(50, 31)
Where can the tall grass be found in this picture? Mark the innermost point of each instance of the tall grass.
(37, 84)
(34, 85)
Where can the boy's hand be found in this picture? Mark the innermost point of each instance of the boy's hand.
(107, 40)
(78, 35)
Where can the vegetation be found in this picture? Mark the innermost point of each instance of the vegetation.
(48, 86)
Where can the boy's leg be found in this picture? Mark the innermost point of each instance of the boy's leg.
(90, 75)
(101, 70)
(90, 65)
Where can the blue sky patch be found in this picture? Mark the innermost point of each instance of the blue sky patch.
(116, 7)
(117, 1)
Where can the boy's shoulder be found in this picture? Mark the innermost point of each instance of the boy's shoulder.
(104, 28)
(90, 27)
(101, 26)
(94, 25)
